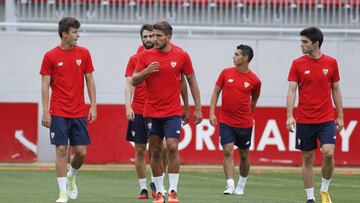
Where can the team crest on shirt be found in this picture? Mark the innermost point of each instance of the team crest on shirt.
(246, 84)
(60, 64)
(173, 64)
(325, 71)
(78, 62)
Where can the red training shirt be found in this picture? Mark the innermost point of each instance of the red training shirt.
(164, 86)
(67, 69)
(315, 78)
(237, 89)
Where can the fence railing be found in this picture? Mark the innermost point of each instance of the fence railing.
(334, 14)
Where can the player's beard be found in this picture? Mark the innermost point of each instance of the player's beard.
(148, 45)
(161, 47)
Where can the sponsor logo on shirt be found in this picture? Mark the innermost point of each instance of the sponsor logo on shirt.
(78, 62)
(246, 84)
(60, 64)
(230, 80)
(307, 72)
(173, 64)
(325, 71)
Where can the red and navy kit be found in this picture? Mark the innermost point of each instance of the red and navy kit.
(164, 86)
(314, 78)
(67, 69)
(237, 91)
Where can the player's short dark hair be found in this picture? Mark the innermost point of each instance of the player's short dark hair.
(164, 27)
(147, 27)
(247, 51)
(66, 23)
(314, 34)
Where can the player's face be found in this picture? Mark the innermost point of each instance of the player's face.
(160, 39)
(148, 39)
(238, 58)
(307, 46)
(72, 36)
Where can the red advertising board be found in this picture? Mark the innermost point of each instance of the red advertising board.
(18, 132)
(272, 144)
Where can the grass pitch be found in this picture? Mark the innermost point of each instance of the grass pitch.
(195, 186)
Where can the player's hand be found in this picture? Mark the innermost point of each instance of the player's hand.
(46, 119)
(130, 115)
(197, 116)
(290, 124)
(339, 124)
(152, 68)
(185, 116)
(92, 114)
(213, 120)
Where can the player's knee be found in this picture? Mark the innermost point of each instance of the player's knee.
(61, 151)
(172, 150)
(244, 157)
(328, 155)
(140, 153)
(228, 154)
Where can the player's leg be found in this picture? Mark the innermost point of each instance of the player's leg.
(79, 139)
(244, 168)
(138, 133)
(156, 147)
(327, 136)
(243, 142)
(172, 128)
(59, 136)
(227, 136)
(306, 141)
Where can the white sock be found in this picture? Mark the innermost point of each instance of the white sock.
(325, 184)
(159, 184)
(230, 183)
(242, 182)
(72, 171)
(152, 176)
(173, 181)
(310, 193)
(62, 183)
(142, 183)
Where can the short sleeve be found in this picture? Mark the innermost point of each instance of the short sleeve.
(140, 62)
(130, 68)
(220, 80)
(88, 62)
(336, 75)
(46, 68)
(187, 68)
(292, 73)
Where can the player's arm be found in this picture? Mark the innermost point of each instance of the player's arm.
(214, 100)
(90, 83)
(336, 94)
(45, 92)
(290, 102)
(139, 77)
(129, 93)
(185, 98)
(195, 92)
(254, 99)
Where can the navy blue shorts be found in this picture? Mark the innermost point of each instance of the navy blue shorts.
(64, 129)
(307, 134)
(138, 129)
(241, 137)
(168, 127)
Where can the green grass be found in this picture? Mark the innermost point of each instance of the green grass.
(194, 187)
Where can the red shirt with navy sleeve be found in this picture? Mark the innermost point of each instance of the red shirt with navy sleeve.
(237, 90)
(314, 78)
(67, 69)
(164, 86)
(138, 101)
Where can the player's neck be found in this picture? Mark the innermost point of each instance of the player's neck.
(243, 68)
(315, 54)
(166, 48)
(65, 46)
